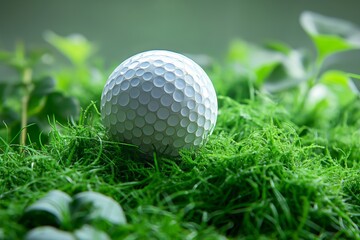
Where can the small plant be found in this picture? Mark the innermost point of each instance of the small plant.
(86, 214)
(28, 101)
(312, 93)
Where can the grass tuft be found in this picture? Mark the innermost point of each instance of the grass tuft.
(260, 176)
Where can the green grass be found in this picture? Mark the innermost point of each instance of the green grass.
(260, 176)
(279, 165)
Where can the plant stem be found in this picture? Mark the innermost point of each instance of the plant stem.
(26, 80)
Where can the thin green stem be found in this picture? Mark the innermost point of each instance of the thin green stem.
(26, 80)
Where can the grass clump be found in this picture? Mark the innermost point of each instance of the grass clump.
(257, 177)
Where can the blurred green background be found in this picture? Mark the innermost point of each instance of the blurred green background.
(122, 28)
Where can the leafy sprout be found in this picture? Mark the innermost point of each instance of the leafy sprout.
(28, 101)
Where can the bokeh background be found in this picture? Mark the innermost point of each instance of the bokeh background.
(122, 28)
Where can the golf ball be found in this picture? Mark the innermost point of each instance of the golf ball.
(160, 101)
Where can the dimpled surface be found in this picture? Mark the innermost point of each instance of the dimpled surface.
(160, 101)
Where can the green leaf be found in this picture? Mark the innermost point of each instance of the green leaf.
(278, 47)
(258, 61)
(290, 73)
(75, 47)
(34, 55)
(353, 75)
(61, 106)
(18, 59)
(91, 206)
(48, 233)
(340, 84)
(52, 209)
(89, 233)
(43, 86)
(330, 35)
(36, 105)
(329, 96)
(252, 56)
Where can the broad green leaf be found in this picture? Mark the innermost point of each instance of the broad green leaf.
(75, 47)
(258, 61)
(90, 206)
(52, 209)
(278, 47)
(38, 130)
(329, 96)
(289, 73)
(330, 35)
(264, 71)
(335, 87)
(353, 75)
(320, 93)
(252, 56)
(35, 105)
(61, 106)
(43, 86)
(89, 233)
(48, 233)
(340, 84)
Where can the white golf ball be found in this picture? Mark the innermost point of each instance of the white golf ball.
(160, 101)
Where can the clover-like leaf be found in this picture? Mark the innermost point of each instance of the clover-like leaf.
(91, 206)
(330, 35)
(89, 233)
(48, 233)
(52, 209)
(75, 47)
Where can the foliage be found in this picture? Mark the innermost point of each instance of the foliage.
(282, 163)
(57, 209)
(28, 101)
(83, 78)
(299, 82)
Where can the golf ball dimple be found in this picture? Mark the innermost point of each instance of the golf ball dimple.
(160, 101)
